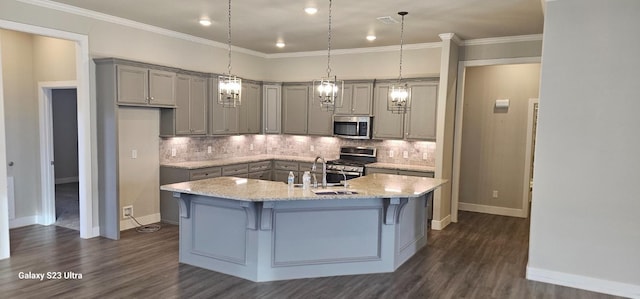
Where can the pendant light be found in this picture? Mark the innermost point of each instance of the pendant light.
(400, 94)
(229, 86)
(328, 90)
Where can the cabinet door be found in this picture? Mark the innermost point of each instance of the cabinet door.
(249, 110)
(282, 175)
(198, 105)
(295, 99)
(132, 85)
(385, 123)
(183, 95)
(361, 99)
(320, 122)
(162, 88)
(420, 120)
(344, 105)
(272, 108)
(223, 120)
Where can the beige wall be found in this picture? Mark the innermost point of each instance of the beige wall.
(139, 178)
(493, 142)
(21, 120)
(502, 50)
(29, 59)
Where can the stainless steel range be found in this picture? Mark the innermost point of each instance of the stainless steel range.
(351, 163)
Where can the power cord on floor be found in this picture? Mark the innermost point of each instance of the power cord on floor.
(149, 228)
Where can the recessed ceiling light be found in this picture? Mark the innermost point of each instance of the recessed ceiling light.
(280, 44)
(371, 38)
(311, 10)
(205, 22)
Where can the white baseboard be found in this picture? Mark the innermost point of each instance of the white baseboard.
(492, 210)
(144, 220)
(584, 282)
(95, 232)
(441, 224)
(23, 221)
(73, 179)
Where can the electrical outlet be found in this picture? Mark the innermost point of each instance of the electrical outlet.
(425, 156)
(390, 154)
(209, 151)
(251, 146)
(134, 154)
(173, 152)
(495, 193)
(127, 211)
(405, 154)
(312, 148)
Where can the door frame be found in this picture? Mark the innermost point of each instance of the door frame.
(47, 167)
(531, 119)
(87, 141)
(457, 141)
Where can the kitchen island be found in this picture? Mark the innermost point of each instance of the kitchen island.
(264, 231)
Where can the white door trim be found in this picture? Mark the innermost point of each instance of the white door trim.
(87, 142)
(526, 186)
(47, 169)
(457, 139)
(4, 192)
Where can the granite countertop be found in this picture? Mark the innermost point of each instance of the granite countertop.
(410, 167)
(370, 186)
(236, 160)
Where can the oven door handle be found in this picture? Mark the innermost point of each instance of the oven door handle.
(346, 172)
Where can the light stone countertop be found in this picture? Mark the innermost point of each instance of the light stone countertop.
(375, 185)
(410, 167)
(236, 160)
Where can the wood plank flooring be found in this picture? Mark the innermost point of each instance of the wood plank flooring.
(482, 256)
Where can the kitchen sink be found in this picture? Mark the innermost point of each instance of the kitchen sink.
(334, 192)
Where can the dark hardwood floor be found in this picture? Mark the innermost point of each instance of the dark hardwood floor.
(482, 256)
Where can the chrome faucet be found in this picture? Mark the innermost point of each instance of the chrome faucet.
(324, 172)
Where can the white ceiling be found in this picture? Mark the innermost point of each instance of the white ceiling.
(258, 24)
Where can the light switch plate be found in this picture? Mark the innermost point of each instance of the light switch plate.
(209, 151)
(173, 152)
(425, 156)
(390, 154)
(134, 154)
(251, 146)
(405, 154)
(312, 148)
(495, 193)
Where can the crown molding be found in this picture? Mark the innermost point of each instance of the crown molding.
(502, 40)
(450, 36)
(136, 25)
(357, 50)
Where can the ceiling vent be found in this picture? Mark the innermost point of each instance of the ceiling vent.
(387, 20)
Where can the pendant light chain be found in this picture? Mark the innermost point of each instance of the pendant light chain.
(401, 44)
(229, 38)
(329, 44)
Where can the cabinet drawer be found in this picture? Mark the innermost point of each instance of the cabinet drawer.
(370, 170)
(259, 166)
(304, 166)
(286, 165)
(205, 173)
(261, 175)
(233, 170)
(426, 174)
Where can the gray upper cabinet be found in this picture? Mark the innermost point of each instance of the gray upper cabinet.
(386, 125)
(190, 115)
(420, 120)
(141, 86)
(222, 120)
(319, 121)
(272, 108)
(249, 110)
(356, 99)
(295, 99)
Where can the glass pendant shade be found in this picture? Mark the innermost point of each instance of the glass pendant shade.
(328, 92)
(229, 91)
(399, 98)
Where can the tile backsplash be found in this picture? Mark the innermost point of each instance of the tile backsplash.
(197, 148)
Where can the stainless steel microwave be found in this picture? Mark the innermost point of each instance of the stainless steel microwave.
(352, 127)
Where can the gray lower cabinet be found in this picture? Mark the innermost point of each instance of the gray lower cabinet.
(281, 171)
(356, 99)
(427, 174)
(236, 170)
(169, 208)
(190, 115)
(249, 110)
(295, 99)
(222, 120)
(272, 108)
(141, 86)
